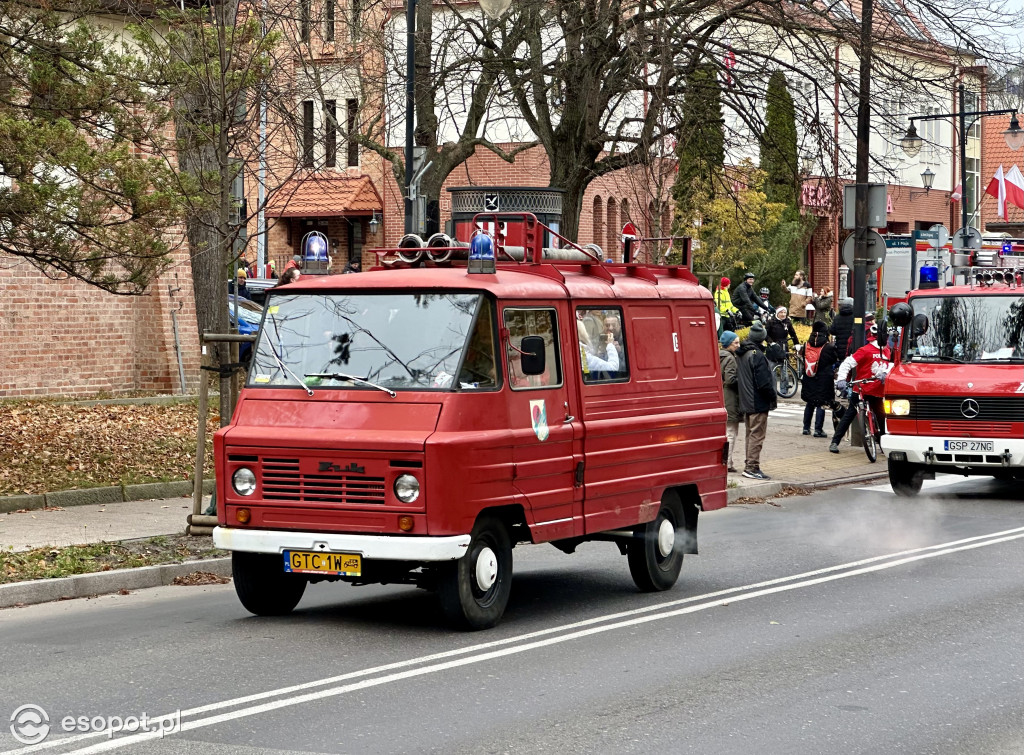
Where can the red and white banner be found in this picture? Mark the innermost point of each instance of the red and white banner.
(1007, 188)
(957, 193)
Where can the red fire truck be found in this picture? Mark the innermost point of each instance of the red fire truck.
(413, 423)
(954, 401)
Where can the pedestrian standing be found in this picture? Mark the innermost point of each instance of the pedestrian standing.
(818, 389)
(756, 397)
(728, 345)
(842, 328)
(354, 265)
(800, 294)
(823, 306)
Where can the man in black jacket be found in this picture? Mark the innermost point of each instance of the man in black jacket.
(756, 397)
(747, 301)
(842, 328)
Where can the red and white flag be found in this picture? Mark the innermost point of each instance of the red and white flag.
(997, 188)
(1015, 187)
(957, 193)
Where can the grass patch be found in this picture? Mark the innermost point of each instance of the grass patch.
(47, 446)
(47, 563)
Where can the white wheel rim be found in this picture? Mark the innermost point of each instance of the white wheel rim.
(486, 569)
(666, 538)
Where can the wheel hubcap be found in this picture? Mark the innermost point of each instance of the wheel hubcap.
(486, 569)
(666, 538)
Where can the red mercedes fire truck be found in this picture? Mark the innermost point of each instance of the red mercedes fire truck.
(954, 400)
(413, 423)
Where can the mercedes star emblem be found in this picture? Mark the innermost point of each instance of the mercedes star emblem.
(970, 409)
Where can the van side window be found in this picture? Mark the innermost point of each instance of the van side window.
(602, 344)
(479, 370)
(532, 322)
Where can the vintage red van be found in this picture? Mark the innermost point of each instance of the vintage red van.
(414, 423)
(954, 400)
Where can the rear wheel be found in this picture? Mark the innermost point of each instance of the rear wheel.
(868, 432)
(654, 555)
(262, 584)
(905, 478)
(474, 590)
(785, 380)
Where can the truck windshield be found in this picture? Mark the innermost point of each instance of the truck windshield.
(969, 329)
(407, 341)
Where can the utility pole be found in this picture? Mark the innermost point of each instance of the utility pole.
(410, 109)
(860, 249)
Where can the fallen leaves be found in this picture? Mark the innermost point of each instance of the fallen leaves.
(200, 578)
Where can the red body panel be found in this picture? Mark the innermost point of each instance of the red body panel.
(630, 441)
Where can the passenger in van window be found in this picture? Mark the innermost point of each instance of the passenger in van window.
(613, 327)
(756, 397)
(591, 361)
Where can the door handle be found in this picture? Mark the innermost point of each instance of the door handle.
(568, 418)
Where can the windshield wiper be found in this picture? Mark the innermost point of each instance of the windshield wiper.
(1001, 360)
(280, 362)
(353, 378)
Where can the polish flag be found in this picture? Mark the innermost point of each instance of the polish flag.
(1015, 187)
(997, 188)
(957, 193)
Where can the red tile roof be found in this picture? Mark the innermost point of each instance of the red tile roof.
(996, 153)
(317, 195)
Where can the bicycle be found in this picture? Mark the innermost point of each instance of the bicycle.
(866, 419)
(786, 371)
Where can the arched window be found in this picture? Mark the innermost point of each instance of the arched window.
(598, 234)
(613, 249)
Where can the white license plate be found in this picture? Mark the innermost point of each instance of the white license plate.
(970, 445)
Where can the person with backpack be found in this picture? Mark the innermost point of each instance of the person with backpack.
(818, 389)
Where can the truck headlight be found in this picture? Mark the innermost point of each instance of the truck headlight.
(898, 407)
(407, 488)
(243, 481)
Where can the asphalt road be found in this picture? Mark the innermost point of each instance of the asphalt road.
(845, 622)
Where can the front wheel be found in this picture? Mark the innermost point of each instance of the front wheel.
(474, 590)
(785, 380)
(655, 558)
(905, 478)
(868, 432)
(262, 584)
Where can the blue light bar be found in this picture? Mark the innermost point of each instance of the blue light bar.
(929, 276)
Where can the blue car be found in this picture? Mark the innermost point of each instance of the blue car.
(249, 316)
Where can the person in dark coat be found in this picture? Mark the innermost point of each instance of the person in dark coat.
(818, 390)
(842, 328)
(747, 301)
(779, 327)
(756, 397)
(728, 344)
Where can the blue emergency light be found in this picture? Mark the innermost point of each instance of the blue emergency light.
(929, 277)
(1007, 247)
(481, 247)
(316, 248)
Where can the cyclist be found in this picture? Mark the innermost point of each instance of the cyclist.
(747, 301)
(730, 317)
(779, 327)
(870, 361)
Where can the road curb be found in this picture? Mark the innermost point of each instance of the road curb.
(113, 494)
(105, 582)
(769, 489)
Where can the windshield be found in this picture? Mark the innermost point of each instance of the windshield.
(408, 341)
(970, 329)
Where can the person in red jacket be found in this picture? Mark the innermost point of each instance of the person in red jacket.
(870, 361)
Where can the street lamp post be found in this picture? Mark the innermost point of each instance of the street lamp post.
(1014, 136)
(494, 9)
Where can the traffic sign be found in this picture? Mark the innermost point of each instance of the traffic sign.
(876, 251)
(941, 237)
(629, 231)
(969, 240)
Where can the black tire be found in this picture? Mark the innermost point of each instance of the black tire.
(466, 602)
(785, 380)
(869, 437)
(262, 584)
(905, 478)
(652, 570)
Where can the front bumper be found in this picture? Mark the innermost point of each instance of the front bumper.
(1007, 452)
(384, 547)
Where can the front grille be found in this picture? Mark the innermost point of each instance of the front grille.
(283, 480)
(972, 426)
(990, 408)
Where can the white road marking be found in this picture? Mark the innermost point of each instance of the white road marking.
(484, 652)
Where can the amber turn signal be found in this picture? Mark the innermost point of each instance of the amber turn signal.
(405, 523)
(243, 516)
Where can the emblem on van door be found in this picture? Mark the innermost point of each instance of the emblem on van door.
(326, 466)
(970, 409)
(539, 419)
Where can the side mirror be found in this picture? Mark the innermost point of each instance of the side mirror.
(901, 314)
(533, 355)
(920, 326)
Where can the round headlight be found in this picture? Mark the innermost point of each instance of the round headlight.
(243, 481)
(407, 488)
(900, 407)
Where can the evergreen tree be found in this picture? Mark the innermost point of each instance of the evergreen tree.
(700, 148)
(778, 144)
